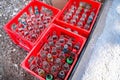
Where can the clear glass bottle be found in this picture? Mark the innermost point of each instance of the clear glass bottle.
(49, 57)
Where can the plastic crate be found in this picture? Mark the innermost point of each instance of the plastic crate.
(76, 15)
(27, 27)
(34, 60)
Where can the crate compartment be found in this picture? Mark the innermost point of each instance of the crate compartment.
(28, 25)
(72, 29)
(80, 14)
(55, 54)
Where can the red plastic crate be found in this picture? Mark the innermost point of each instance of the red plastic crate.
(95, 7)
(16, 34)
(35, 60)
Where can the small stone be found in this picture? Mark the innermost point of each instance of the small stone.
(0, 14)
(14, 50)
(0, 35)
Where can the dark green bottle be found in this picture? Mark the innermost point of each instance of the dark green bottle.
(49, 77)
(69, 60)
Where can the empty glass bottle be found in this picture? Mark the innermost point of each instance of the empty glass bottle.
(41, 72)
(49, 57)
(61, 74)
